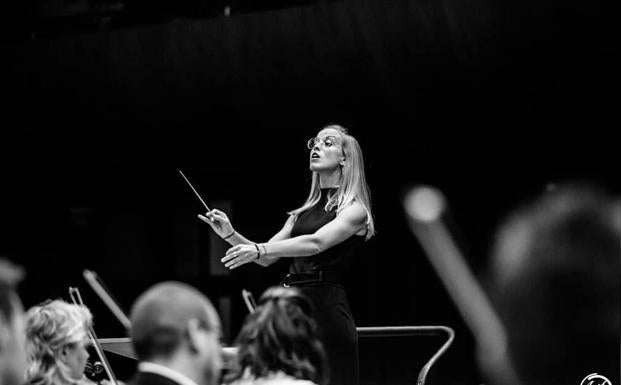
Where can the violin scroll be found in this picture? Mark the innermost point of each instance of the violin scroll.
(92, 370)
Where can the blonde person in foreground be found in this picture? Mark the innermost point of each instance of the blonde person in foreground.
(57, 343)
(321, 240)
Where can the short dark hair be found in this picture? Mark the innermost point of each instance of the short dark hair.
(10, 276)
(556, 285)
(281, 335)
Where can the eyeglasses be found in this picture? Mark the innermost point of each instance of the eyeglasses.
(326, 141)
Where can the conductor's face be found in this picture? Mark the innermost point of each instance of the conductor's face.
(326, 150)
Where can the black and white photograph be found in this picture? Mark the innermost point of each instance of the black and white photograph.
(310, 192)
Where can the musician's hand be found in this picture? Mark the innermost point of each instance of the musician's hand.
(239, 255)
(218, 221)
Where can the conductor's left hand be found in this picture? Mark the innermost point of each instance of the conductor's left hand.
(239, 255)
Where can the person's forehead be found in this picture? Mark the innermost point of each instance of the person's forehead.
(329, 132)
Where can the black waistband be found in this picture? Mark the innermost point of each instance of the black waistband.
(312, 277)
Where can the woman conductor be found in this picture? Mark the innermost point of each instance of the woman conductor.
(321, 239)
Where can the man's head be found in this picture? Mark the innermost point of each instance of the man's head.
(556, 286)
(174, 325)
(12, 336)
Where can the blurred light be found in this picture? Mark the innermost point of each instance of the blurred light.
(424, 203)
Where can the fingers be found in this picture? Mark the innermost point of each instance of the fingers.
(232, 250)
(233, 262)
(204, 218)
(229, 259)
(229, 256)
(209, 215)
(237, 264)
(238, 261)
(212, 218)
(237, 256)
(216, 212)
(220, 217)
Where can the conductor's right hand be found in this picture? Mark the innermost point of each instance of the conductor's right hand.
(219, 222)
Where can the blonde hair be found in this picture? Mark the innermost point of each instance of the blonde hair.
(49, 328)
(352, 186)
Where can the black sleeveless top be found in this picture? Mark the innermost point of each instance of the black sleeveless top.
(339, 258)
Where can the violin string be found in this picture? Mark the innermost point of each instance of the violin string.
(75, 293)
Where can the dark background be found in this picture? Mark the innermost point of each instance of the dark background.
(491, 101)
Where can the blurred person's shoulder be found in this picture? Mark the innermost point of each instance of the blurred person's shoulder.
(278, 378)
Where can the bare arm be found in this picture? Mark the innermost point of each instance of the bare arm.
(221, 224)
(347, 223)
(283, 234)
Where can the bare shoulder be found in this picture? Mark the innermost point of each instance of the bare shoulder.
(354, 212)
(291, 220)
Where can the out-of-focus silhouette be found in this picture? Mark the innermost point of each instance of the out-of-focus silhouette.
(555, 284)
(278, 343)
(175, 332)
(12, 350)
(553, 317)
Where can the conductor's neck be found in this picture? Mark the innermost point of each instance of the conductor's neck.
(330, 178)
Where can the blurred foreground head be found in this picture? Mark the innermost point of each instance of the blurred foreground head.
(556, 272)
(56, 340)
(280, 339)
(175, 325)
(12, 339)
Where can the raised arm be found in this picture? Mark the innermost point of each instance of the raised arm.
(348, 222)
(222, 226)
(284, 233)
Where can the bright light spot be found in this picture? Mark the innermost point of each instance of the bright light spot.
(424, 203)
